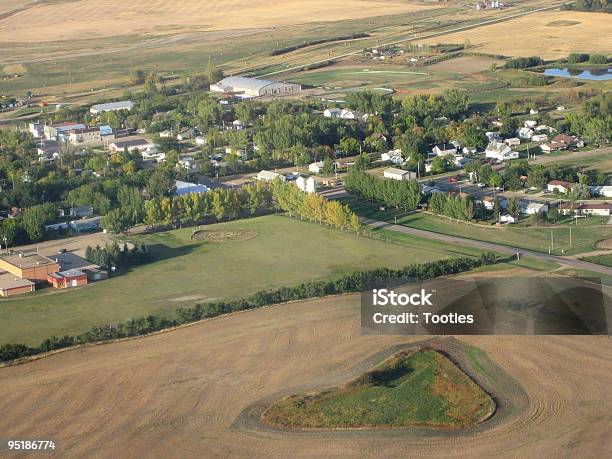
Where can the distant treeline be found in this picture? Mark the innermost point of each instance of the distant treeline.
(524, 62)
(589, 5)
(356, 281)
(306, 44)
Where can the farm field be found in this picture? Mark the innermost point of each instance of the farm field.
(284, 252)
(550, 35)
(107, 18)
(183, 392)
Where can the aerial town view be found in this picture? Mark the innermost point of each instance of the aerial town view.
(305, 229)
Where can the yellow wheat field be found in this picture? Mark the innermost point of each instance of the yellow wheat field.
(108, 18)
(549, 35)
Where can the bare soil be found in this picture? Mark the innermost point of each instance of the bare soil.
(180, 394)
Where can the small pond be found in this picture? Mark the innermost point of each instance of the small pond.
(582, 74)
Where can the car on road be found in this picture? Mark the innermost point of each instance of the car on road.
(61, 251)
(452, 180)
(480, 185)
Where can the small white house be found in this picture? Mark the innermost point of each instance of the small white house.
(444, 150)
(531, 123)
(200, 140)
(532, 208)
(488, 202)
(308, 185)
(469, 150)
(534, 111)
(525, 133)
(559, 186)
(507, 219)
(269, 176)
(398, 174)
(316, 167)
(394, 156)
(539, 138)
(500, 151)
(513, 142)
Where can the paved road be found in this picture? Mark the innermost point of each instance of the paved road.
(578, 264)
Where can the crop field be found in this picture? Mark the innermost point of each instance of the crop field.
(184, 392)
(106, 18)
(550, 35)
(278, 252)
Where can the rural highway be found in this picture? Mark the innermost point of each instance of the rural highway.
(578, 264)
(419, 37)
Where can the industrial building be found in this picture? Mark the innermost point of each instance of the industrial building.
(67, 279)
(253, 87)
(13, 285)
(30, 266)
(111, 107)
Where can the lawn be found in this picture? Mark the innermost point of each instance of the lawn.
(185, 272)
(584, 237)
(419, 388)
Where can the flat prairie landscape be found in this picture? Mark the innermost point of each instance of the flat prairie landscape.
(183, 393)
(82, 19)
(550, 35)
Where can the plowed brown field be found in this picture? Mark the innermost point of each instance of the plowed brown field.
(179, 394)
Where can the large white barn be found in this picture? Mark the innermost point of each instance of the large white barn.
(254, 87)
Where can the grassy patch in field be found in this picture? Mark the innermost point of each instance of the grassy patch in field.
(412, 388)
(185, 271)
(605, 260)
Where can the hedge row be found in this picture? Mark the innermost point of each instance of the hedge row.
(357, 281)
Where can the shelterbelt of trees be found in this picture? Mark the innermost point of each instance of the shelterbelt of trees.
(356, 281)
(230, 204)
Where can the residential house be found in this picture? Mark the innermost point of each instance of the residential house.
(76, 211)
(131, 145)
(525, 133)
(316, 167)
(605, 191)
(532, 207)
(488, 202)
(602, 209)
(530, 123)
(508, 219)
(560, 186)
(500, 151)
(393, 156)
(398, 174)
(182, 188)
(513, 142)
(86, 224)
(539, 138)
(269, 176)
(444, 150)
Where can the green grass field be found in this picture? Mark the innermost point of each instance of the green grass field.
(584, 236)
(605, 260)
(422, 388)
(185, 272)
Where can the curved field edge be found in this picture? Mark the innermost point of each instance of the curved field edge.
(508, 395)
(412, 388)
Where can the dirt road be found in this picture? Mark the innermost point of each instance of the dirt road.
(178, 394)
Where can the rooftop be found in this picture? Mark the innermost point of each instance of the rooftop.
(245, 83)
(27, 260)
(124, 104)
(9, 281)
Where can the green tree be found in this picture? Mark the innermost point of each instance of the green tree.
(35, 218)
(115, 221)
